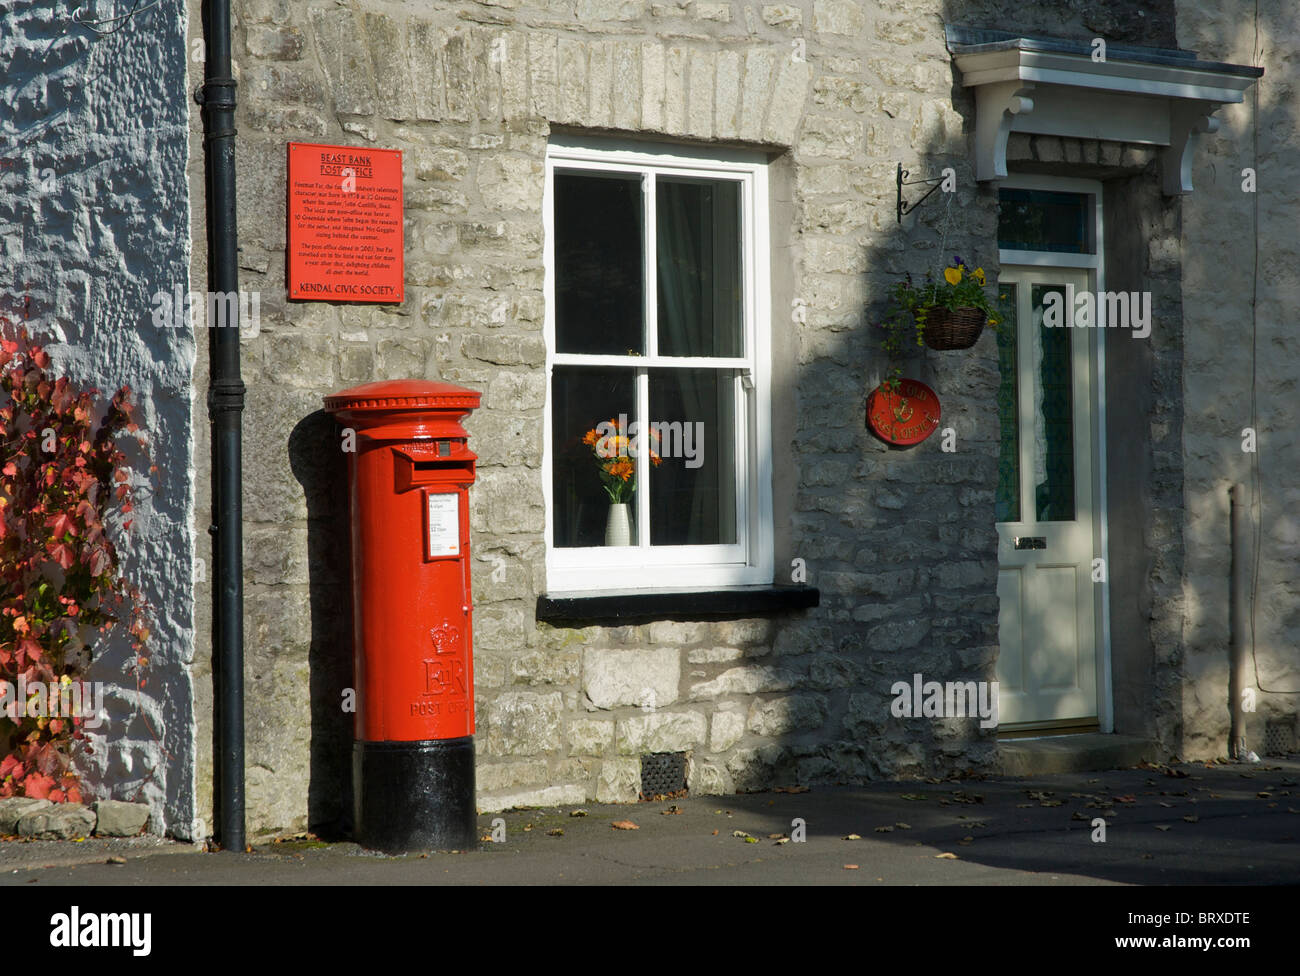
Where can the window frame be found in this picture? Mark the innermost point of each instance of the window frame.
(674, 568)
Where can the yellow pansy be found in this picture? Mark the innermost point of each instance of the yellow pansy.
(952, 275)
(979, 276)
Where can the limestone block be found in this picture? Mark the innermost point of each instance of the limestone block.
(340, 44)
(117, 818)
(590, 737)
(843, 17)
(523, 723)
(619, 782)
(661, 732)
(784, 715)
(61, 821)
(648, 677)
(726, 729)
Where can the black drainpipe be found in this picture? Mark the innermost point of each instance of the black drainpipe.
(225, 410)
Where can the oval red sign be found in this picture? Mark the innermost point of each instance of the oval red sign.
(904, 416)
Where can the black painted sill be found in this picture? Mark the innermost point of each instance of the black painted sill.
(625, 605)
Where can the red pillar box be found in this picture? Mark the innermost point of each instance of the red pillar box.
(409, 473)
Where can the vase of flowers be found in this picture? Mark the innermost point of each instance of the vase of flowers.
(616, 449)
(946, 313)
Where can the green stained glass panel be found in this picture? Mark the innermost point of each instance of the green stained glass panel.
(1008, 497)
(1053, 370)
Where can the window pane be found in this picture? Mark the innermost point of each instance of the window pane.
(1053, 415)
(599, 265)
(699, 253)
(581, 398)
(693, 490)
(1008, 497)
(1043, 220)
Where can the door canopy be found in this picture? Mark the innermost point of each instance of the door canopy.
(1092, 90)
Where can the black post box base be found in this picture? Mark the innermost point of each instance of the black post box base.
(415, 796)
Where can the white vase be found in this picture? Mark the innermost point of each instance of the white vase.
(618, 525)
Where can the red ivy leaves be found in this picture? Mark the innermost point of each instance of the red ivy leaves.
(61, 476)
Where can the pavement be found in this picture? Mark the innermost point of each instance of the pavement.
(1188, 824)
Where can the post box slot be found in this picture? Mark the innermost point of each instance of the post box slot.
(410, 472)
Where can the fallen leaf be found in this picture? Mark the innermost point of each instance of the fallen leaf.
(1126, 798)
(966, 841)
(1161, 827)
(1078, 815)
(577, 813)
(715, 833)
(739, 833)
(775, 836)
(674, 809)
(912, 796)
(1167, 806)
(902, 826)
(881, 830)
(1191, 818)
(783, 840)
(946, 856)
(116, 860)
(555, 832)
(1051, 803)
(624, 825)
(850, 867)
(1263, 794)
(751, 840)
(852, 837)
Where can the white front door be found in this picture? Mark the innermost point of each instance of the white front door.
(1047, 665)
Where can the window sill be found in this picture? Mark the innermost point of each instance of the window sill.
(625, 605)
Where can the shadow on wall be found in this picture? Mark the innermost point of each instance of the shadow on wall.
(321, 469)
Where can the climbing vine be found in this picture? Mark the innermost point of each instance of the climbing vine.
(64, 491)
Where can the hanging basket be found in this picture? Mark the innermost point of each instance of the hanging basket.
(953, 328)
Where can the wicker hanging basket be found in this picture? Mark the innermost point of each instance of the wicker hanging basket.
(953, 328)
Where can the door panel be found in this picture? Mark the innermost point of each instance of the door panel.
(1047, 665)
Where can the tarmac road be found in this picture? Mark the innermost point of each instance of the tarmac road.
(1218, 824)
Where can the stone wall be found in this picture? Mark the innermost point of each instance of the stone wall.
(1224, 360)
(901, 544)
(93, 223)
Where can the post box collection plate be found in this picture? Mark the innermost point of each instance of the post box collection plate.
(442, 513)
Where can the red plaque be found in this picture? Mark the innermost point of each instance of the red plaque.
(906, 416)
(345, 223)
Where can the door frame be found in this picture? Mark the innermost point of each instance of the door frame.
(1095, 264)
